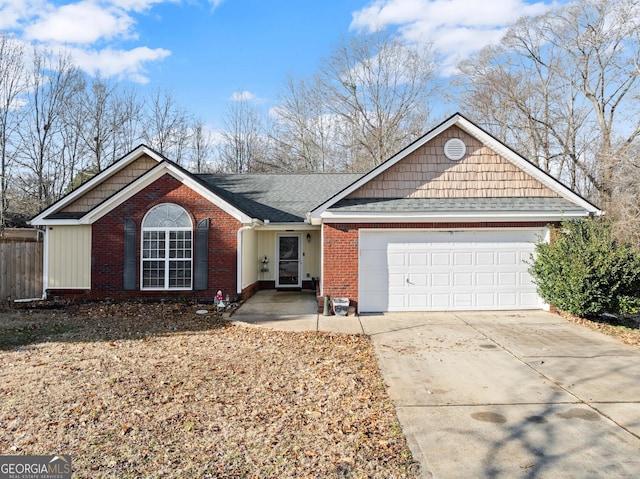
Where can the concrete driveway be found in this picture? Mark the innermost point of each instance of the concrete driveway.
(510, 394)
(522, 394)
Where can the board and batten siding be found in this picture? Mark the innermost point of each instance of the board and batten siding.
(311, 255)
(267, 247)
(249, 255)
(69, 257)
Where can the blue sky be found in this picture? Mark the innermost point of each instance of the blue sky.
(208, 52)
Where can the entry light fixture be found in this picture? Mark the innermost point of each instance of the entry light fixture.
(308, 237)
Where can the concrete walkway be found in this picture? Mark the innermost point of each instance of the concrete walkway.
(504, 394)
(292, 311)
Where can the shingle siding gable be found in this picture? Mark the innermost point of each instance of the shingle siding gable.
(428, 173)
(111, 185)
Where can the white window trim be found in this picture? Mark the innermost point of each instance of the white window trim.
(166, 259)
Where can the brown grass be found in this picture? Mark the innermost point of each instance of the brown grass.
(136, 390)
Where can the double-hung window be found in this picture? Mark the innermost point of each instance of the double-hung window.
(167, 248)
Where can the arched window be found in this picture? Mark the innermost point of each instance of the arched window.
(167, 248)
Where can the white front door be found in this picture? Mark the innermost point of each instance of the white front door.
(289, 259)
(446, 270)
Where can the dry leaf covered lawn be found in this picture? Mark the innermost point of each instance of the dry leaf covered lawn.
(133, 390)
(625, 331)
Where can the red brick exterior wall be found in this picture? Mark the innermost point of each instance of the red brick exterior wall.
(340, 257)
(107, 245)
(340, 261)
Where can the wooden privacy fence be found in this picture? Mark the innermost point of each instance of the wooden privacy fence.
(20, 269)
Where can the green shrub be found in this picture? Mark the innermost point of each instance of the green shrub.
(584, 270)
(629, 305)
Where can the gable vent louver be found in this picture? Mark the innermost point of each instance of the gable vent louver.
(455, 149)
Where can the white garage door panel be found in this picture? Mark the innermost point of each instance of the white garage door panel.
(442, 270)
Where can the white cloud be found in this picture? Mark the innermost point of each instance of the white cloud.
(457, 28)
(13, 12)
(80, 23)
(119, 63)
(242, 96)
(138, 5)
(215, 3)
(89, 30)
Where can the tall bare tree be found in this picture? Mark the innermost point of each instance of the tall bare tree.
(166, 125)
(53, 80)
(73, 159)
(104, 113)
(305, 134)
(243, 141)
(127, 118)
(95, 130)
(379, 88)
(201, 147)
(12, 86)
(564, 88)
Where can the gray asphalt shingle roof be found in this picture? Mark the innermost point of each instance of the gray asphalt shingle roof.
(279, 198)
(286, 198)
(400, 205)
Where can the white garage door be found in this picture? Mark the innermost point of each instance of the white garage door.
(446, 270)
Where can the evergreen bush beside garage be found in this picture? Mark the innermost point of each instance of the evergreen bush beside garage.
(585, 270)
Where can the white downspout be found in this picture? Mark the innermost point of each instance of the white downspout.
(45, 266)
(254, 223)
(321, 290)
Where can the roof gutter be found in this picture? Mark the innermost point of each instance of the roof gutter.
(447, 217)
(241, 230)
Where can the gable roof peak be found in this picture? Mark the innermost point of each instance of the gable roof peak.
(484, 137)
(105, 174)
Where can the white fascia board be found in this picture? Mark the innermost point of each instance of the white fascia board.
(541, 229)
(146, 180)
(45, 222)
(96, 180)
(287, 226)
(526, 165)
(444, 217)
